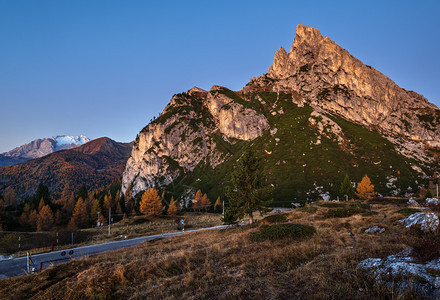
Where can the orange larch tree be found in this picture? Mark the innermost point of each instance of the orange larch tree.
(173, 208)
(365, 189)
(197, 201)
(45, 219)
(151, 203)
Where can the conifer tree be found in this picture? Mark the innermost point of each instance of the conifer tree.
(45, 219)
(218, 204)
(173, 208)
(9, 197)
(41, 205)
(346, 188)
(24, 218)
(151, 204)
(365, 189)
(118, 208)
(59, 217)
(94, 211)
(79, 218)
(197, 201)
(108, 203)
(68, 202)
(129, 202)
(249, 191)
(33, 218)
(205, 202)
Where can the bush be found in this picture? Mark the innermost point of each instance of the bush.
(407, 211)
(344, 212)
(308, 209)
(332, 205)
(278, 218)
(385, 201)
(282, 231)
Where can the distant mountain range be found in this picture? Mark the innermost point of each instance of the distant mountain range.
(41, 147)
(94, 164)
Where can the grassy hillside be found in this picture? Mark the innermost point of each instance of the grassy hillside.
(295, 162)
(241, 263)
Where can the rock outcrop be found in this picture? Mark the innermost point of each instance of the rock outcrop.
(427, 221)
(329, 77)
(401, 268)
(187, 133)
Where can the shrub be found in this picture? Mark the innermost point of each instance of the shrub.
(407, 211)
(344, 212)
(332, 205)
(281, 231)
(386, 201)
(308, 209)
(278, 218)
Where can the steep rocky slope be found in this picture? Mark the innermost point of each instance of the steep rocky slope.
(317, 114)
(93, 165)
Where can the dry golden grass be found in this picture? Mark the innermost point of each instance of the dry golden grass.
(225, 264)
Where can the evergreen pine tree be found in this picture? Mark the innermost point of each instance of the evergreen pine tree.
(346, 189)
(249, 191)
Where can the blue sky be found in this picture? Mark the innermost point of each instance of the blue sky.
(105, 68)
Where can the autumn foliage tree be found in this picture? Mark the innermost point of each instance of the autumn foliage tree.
(94, 211)
(173, 209)
(205, 202)
(197, 201)
(80, 217)
(365, 189)
(151, 203)
(10, 197)
(45, 219)
(218, 204)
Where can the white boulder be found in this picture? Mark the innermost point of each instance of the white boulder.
(427, 221)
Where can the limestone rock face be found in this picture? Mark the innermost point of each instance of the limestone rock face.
(329, 77)
(183, 137)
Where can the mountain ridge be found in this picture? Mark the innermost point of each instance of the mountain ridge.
(41, 147)
(325, 91)
(94, 164)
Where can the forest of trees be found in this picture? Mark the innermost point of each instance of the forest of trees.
(83, 208)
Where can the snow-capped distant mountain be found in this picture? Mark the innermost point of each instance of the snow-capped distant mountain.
(66, 141)
(41, 147)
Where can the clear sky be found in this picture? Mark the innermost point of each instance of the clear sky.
(105, 68)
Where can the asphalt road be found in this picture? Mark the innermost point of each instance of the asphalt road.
(18, 266)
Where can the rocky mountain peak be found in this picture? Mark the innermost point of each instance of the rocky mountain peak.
(327, 76)
(316, 96)
(305, 34)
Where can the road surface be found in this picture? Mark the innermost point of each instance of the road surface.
(18, 266)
